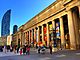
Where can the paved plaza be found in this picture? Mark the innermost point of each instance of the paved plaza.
(60, 55)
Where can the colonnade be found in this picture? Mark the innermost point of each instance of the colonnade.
(41, 33)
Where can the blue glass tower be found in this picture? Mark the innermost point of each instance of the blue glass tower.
(5, 24)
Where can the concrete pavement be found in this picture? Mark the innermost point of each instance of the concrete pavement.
(3, 54)
(60, 55)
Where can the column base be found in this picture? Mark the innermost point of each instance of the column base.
(54, 49)
(63, 46)
(78, 46)
(73, 47)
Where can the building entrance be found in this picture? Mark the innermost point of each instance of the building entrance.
(66, 32)
(76, 21)
(57, 30)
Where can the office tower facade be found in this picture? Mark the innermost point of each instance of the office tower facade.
(15, 28)
(5, 24)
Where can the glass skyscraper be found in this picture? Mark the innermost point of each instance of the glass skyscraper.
(5, 24)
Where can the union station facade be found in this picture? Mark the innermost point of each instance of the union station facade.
(58, 24)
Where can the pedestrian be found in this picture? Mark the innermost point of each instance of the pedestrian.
(10, 48)
(39, 48)
(50, 47)
(5, 48)
(1, 49)
(28, 50)
(20, 51)
(15, 49)
(23, 50)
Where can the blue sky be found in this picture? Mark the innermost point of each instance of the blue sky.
(22, 10)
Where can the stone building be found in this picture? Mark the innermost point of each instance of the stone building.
(59, 24)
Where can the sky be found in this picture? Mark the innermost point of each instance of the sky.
(22, 10)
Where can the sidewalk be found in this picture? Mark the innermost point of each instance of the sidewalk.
(2, 54)
(65, 51)
(33, 51)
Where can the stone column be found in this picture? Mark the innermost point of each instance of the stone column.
(79, 18)
(79, 10)
(17, 39)
(32, 37)
(76, 26)
(79, 24)
(38, 32)
(43, 34)
(71, 31)
(47, 34)
(34, 34)
(29, 36)
(23, 39)
(53, 24)
(62, 33)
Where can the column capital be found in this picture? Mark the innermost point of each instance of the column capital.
(42, 24)
(47, 23)
(68, 9)
(60, 17)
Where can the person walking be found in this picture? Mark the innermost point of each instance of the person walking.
(5, 48)
(50, 47)
(28, 50)
(20, 50)
(39, 48)
(14, 49)
(10, 48)
(17, 49)
(24, 50)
